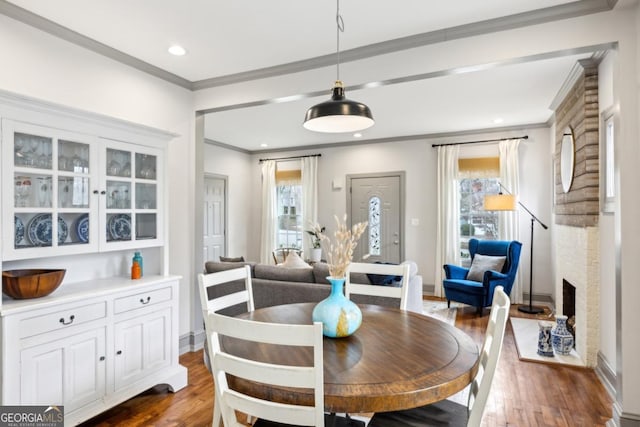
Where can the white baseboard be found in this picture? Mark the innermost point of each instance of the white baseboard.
(192, 341)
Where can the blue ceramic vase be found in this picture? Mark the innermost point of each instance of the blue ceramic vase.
(340, 316)
(545, 347)
(561, 337)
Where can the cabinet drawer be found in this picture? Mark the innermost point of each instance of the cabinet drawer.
(64, 318)
(141, 300)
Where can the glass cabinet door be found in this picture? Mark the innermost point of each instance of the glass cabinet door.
(131, 195)
(118, 196)
(146, 200)
(51, 177)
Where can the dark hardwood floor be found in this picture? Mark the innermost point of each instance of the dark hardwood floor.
(523, 393)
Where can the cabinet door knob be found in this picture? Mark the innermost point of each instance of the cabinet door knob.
(119, 352)
(145, 301)
(103, 192)
(102, 358)
(95, 191)
(69, 322)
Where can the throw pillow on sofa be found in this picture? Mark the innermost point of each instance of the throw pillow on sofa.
(384, 279)
(482, 263)
(231, 259)
(275, 272)
(294, 261)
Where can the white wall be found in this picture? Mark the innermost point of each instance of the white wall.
(627, 226)
(237, 168)
(44, 67)
(607, 234)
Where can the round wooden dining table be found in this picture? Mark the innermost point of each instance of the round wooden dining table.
(395, 360)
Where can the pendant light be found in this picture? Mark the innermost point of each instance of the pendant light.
(338, 114)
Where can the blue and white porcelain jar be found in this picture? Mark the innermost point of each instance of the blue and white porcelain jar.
(561, 338)
(544, 339)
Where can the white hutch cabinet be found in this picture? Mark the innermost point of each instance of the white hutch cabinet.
(79, 187)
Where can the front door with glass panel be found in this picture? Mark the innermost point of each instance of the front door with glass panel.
(377, 200)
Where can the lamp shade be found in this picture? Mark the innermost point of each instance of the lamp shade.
(338, 114)
(499, 202)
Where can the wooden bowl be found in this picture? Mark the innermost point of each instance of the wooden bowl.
(33, 283)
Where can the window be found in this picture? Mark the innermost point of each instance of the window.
(474, 220)
(607, 175)
(289, 193)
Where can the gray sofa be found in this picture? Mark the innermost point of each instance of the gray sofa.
(275, 285)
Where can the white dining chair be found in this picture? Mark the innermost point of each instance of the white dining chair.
(268, 413)
(213, 299)
(218, 301)
(447, 412)
(399, 292)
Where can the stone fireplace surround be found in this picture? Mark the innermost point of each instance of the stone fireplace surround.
(576, 232)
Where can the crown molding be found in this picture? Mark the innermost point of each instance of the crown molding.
(14, 105)
(64, 33)
(227, 146)
(576, 71)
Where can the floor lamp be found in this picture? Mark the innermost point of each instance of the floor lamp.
(507, 202)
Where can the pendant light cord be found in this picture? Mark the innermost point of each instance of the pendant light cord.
(339, 29)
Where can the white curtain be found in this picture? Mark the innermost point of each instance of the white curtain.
(269, 211)
(448, 227)
(309, 200)
(509, 230)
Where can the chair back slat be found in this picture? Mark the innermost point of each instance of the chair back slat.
(279, 375)
(288, 414)
(282, 375)
(401, 292)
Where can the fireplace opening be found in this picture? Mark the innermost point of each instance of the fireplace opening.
(569, 307)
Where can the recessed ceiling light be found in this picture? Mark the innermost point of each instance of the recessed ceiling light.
(498, 120)
(263, 145)
(357, 135)
(177, 50)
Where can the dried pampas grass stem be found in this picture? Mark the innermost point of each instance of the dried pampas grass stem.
(339, 252)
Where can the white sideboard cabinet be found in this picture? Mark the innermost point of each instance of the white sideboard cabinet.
(81, 191)
(90, 346)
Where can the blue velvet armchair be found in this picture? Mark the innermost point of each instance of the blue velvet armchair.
(480, 294)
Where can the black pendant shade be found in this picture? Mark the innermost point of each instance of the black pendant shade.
(338, 114)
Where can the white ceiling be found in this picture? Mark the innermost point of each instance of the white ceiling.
(242, 36)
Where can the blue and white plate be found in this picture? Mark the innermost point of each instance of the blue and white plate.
(82, 228)
(39, 230)
(18, 226)
(119, 227)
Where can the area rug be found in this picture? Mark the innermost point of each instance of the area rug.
(439, 310)
(525, 332)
